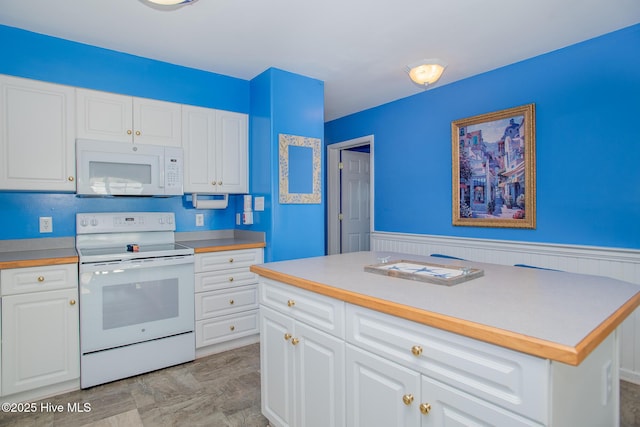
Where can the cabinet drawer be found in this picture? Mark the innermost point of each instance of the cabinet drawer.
(215, 280)
(33, 279)
(213, 261)
(225, 328)
(226, 301)
(513, 380)
(324, 313)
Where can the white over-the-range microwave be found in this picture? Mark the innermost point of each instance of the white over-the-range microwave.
(107, 168)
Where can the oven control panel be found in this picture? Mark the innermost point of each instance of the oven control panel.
(120, 222)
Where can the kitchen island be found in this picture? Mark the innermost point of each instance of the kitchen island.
(517, 346)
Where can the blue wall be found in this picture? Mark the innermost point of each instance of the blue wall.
(587, 100)
(286, 103)
(35, 56)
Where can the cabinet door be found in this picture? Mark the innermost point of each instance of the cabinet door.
(157, 122)
(380, 392)
(104, 116)
(231, 152)
(198, 139)
(37, 142)
(449, 406)
(40, 344)
(319, 378)
(276, 367)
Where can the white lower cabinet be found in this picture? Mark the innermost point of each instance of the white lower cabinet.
(401, 373)
(226, 300)
(303, 380)
(40, 329)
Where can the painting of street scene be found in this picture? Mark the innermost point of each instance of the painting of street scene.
(494, 169)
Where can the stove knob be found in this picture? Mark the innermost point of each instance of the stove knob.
(84, 222)
(161, 220)
(94, 222)
(169, 220)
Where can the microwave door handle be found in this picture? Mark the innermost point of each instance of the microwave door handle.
(161, 182)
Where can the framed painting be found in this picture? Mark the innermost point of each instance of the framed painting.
(494, 169)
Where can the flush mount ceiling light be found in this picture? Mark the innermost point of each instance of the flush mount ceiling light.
(426, 72)
(168, 4)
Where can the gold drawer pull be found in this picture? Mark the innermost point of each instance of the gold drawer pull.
(416, 350)
(40, 278)
(138, 133)
(231, 279)
(230, 259)
(287, 336)
(129, 132)
(295, 341)
(70, 179)
(291, 303)
(72, 302)
(425, 408)
(407, 399)
(232, 328)
(231, 302)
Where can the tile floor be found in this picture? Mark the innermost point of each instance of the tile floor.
(222, 390)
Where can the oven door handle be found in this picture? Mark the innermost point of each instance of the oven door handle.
(137, 263)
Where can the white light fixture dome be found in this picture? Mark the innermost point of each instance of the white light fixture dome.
(426, 72)
(168, 3)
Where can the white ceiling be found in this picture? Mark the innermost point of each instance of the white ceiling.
(358, 48)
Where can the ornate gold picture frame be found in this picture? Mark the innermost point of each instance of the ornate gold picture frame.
(494, 169)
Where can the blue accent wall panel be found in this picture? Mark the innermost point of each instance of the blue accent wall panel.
(588, 180)
(286, 103)
(40, 57)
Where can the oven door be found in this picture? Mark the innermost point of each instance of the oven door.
(127, 302)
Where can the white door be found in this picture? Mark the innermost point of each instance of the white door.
(276, 367)
(319, 377)
(380, 393)
(231, 152)
(39, 340)
(354, 190)
(37, 135)
(157, 122)
(198, 139)
(104, 116)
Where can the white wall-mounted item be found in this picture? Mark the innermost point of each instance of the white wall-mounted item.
(210, 203)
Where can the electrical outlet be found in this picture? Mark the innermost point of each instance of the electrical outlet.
(199, 220)
(46, 224)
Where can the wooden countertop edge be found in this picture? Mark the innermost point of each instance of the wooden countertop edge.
(38, 262)
(504, 338)
(231, 247)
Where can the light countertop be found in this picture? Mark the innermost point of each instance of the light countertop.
(555, 315)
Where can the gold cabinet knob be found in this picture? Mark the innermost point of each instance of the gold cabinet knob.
(213, 183)
(231, 302)
(425, 408)
(230, 259)
(295, 341)
(70, 179)
(407, 399)
(72, 302)
(232, 328)
(40, 278)
(219, 182)
(416, 350)
(137, 133)
(287, 336)
(129, 132)
(291, 303)
(231, 279)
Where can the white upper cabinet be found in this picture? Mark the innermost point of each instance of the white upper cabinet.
(215, 150)
(37, 136)
(112, 117)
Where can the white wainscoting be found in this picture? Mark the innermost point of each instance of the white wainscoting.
(622, 264)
